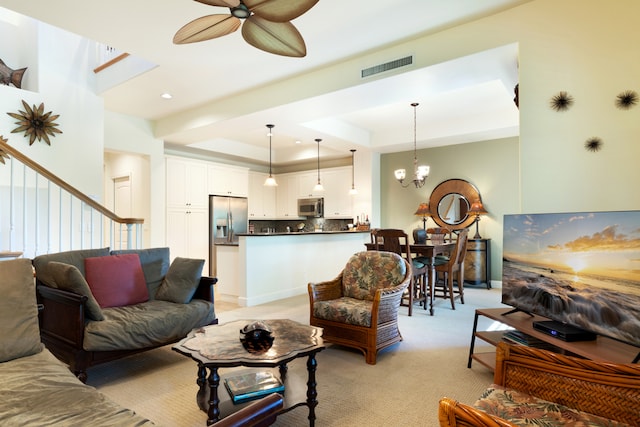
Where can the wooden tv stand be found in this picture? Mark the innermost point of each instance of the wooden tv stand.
(602, 349)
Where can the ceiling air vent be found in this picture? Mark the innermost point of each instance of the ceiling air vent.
(381, 68)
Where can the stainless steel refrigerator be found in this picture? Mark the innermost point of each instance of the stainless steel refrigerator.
(228, 216)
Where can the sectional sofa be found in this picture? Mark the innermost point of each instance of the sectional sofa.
(36, 388)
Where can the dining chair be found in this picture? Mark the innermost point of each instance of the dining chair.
(453, 267)
(397, 241)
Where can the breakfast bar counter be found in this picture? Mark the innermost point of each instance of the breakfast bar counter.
(266, 267)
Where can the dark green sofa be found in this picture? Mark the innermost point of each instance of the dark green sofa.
(80, 332)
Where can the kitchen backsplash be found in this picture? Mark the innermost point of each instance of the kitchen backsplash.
(310, 224)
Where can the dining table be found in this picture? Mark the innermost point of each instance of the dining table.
(427, 250)
(430, 250)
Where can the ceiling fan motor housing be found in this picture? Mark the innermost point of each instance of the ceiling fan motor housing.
(241, 11)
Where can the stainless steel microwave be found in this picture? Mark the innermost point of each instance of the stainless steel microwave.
(312, 207)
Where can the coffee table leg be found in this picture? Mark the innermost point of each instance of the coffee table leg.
(214, 411)
(201, 396)
(312, 393)
(283, 372)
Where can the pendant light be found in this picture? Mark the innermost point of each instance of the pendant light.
(270, 181)
(420, 173)
(318, 188)
(353, 190)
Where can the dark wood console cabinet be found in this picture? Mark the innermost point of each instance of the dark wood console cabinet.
(602, 349)
(477, 262)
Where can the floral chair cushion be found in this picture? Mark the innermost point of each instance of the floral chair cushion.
(344, 310)
(368, 271)
(525, 410)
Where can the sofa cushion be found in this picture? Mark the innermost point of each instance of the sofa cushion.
(69, 278)
(525, 410)
(116, 280)
(147, 324)
(366, 271)
(75, 258)
(181, 280)
(18, 310)
(155, 264)
(39, 390)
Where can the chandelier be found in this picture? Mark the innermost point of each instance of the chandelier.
(420, 173)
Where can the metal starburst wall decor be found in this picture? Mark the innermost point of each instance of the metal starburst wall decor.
(593, 144)
(3, 155)
(627, 99)
(35, 123)
(561, 102)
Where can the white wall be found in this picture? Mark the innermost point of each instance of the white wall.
(58, 75)
(126, 134)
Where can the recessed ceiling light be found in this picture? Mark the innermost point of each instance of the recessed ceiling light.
(298, 141)
(166, 95)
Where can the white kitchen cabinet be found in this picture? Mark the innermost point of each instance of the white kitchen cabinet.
(306, 182)
(188, 234)
(338, 203)
(186, 183)
(228, 180)
(287, 196)
(262, 200)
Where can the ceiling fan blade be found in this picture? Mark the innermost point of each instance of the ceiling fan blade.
(280, 38)
(206, 28)
(221, 3)
(279, 10)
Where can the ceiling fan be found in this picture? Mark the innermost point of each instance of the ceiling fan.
(266, 25)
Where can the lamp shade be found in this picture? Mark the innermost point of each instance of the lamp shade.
(423, 210)
(477, 208)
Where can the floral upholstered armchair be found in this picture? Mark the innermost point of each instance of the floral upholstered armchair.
(359, 308)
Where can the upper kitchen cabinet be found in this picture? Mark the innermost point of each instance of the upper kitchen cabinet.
(338, 203)
(306, 182)
(186, 183)
(287, 196)
(228, 180)
(262, 200)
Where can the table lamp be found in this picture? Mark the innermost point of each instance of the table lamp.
(423, 210)
(477, 209)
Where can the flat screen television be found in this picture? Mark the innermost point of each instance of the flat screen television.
(582, 269)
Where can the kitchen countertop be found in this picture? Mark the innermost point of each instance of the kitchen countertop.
(296, 233)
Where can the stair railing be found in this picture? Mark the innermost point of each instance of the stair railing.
(41, 213)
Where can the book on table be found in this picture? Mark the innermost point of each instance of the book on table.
(252, 385)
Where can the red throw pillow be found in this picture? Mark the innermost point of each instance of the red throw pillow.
(116, 280)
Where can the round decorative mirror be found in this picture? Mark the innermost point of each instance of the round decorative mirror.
(450, 202)
(453, 208)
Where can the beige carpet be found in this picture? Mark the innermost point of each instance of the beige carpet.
(402, 389)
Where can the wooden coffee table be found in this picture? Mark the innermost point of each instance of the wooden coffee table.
(218, 346)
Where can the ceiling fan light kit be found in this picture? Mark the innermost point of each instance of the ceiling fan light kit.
(266, 25)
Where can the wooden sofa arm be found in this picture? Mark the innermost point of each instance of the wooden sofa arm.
(260, 413)
(452, 413)
(63, 316)
(205, 288)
